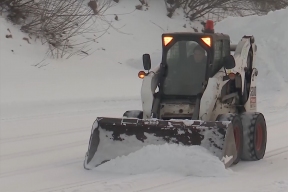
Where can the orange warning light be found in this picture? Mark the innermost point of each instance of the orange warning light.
(167, 40)
(207, 40)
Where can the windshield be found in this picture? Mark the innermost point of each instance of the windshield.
(186, 61)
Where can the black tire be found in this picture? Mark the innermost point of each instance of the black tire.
(134, 114)
(238, 132)
(255, 136)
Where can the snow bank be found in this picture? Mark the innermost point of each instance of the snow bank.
(28, 76)
(109, 72)
(172, 158)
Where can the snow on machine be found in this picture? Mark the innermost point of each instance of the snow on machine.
(200, 94)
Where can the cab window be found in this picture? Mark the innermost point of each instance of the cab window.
(186, 65)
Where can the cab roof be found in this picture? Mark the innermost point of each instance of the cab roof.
(183, 34)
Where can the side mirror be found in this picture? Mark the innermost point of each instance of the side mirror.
(229, 62)
(146, 61)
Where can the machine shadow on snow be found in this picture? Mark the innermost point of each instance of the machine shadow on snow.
(200, 94)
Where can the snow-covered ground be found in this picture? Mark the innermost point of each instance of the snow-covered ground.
(47, 111)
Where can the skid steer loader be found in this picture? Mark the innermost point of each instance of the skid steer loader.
(203, 93)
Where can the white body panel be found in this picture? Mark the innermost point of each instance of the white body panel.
(251, 104)
(149, 85)
(209, 98)
(240, 57)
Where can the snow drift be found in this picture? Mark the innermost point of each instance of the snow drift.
(172, 158)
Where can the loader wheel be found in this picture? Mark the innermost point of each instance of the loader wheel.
(255, 136)
(238, 132)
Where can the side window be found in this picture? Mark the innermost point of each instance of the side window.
(226, 48)
(218, 55)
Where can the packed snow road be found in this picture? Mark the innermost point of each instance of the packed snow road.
(49, 156)
(53, 145)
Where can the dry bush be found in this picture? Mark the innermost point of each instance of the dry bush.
(219, 9)
(264, 6)
(57, 22)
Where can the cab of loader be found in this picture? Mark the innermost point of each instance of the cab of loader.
(188, 61)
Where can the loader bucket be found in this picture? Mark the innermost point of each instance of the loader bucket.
(113, 137)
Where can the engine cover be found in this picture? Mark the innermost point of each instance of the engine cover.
(176, 110)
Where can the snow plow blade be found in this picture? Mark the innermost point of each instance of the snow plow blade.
(113, 137)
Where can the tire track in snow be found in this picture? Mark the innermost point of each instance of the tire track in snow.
(120, 183)
(166, 184)
(44, 150)
(54, 115)
(42, 135)
(99, 105)
(107, 184)
(73, 185)
(276, 152)
(40, 168)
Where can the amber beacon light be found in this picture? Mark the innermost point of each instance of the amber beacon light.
(209, 26)
(141, 74)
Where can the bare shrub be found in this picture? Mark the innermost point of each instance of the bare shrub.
(219, 9)
(57, 22)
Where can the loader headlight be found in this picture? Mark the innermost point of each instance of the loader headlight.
(141, 74)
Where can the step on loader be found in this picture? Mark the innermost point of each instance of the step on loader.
(202, 93)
